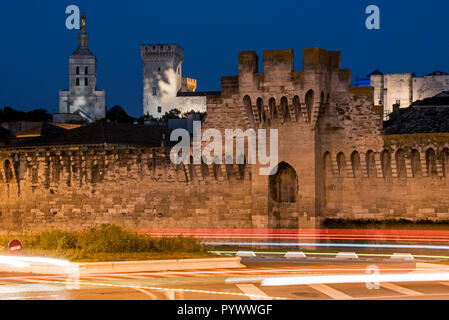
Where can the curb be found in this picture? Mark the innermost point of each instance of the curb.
(127, 266)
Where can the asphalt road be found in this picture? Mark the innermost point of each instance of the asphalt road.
(225, 284)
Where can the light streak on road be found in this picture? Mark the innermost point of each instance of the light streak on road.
(340, 245)
(21, 261)
(50, 261)
(355, 278)
(329, 254)
(226, 293)
(221, 273)
(307, 234)
(11, 261)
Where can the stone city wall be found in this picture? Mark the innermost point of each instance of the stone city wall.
(79, 187)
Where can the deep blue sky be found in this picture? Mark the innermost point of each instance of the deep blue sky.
(35, 44)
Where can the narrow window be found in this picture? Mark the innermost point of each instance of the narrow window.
(86, 70)
(284, 109)
(309, 103)
(386, 165)
(371, 164)
(272, 106)
(159, 109)
(86, 81)
(341, 163)
(431, 162)
(400, 164)
(77, 70)
(154, 91)
(77, 81)
(356, 167)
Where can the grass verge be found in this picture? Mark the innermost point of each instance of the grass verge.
(107, 243)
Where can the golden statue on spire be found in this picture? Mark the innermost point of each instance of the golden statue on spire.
(83, 22)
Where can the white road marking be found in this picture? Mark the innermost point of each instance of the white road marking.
(253, 291)
(171, 295)
(226, 293)
(152, 296)
(329, 291)
(29, 298)
(399, 289)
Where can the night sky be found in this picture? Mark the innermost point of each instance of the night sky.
(35, 44)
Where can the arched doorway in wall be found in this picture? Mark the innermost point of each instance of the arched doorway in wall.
(283, 195)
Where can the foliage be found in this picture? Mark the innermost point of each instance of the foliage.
(106, 239)
(203, 115)
(8, 114)
(172, 114)
(118, 114)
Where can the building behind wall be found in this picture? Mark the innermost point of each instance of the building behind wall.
(405, 88)
(390, 89)
(164, 87)
(83, 98)
(430, 85)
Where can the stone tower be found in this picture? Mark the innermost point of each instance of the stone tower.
(162, 77)
(83, 98)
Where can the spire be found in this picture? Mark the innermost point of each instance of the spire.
(83, 37)
(83, 22)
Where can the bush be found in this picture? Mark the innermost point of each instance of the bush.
(107, 239)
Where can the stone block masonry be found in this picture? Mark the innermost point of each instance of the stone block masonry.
(80, 187)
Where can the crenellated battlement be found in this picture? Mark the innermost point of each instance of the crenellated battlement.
(80, 166)
(77, 187)
(282, 60)
(161, 50)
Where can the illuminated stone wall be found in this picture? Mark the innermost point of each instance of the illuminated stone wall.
(76, 187)
(403, 176)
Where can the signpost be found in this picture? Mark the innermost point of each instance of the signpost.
(15, 246)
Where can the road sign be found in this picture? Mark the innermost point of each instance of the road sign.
(15, 246)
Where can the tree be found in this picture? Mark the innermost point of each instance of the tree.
(172, 114)
(9, 114)
(117, 114)
(203, 115)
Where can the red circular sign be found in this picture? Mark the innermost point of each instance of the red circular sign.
(15, 246)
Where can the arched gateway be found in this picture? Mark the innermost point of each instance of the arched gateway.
(283, 194)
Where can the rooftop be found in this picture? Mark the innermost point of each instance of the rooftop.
(430, 115)
(100, 133)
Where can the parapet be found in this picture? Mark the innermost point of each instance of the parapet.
(278, 60)
(315, 57)
(229, 86)
(188, 84)
(248, 62)
(161, 50)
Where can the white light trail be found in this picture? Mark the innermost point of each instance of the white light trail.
(355, 278)
(21, 262)
(11, 261)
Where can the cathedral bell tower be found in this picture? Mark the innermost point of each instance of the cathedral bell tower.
(83, 98)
